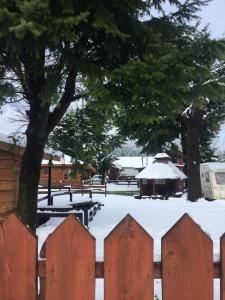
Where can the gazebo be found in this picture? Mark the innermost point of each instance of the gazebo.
(161, 177)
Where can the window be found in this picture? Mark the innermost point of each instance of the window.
(207, 177)
(67, 174)
(45, 171)
(160, 181)
(220, 178)
(203, 175)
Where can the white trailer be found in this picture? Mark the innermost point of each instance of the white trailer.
(213, 180)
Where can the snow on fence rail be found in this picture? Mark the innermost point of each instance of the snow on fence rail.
(69, 269)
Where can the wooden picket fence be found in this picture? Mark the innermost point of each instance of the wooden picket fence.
(69, 269)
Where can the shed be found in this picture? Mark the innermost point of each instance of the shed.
(62, 172)
(11, 151)
(161, 177)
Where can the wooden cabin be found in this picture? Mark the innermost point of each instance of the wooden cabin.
(161, 177)
(62, 172)
(10, 161)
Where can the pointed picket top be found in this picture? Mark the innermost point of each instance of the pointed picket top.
(126, 227)
(128, 263)
(186, 220)
(222, 259)
(14, 220)
(70, 223)
(187, 262)
(18, 247)
(70, 262)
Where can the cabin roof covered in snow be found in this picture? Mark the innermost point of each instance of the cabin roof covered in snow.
(133, 161)
(67, 160)
(64, 160)
(215, 166)
(161, 171)
(15, 144)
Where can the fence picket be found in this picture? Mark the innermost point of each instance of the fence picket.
(70, 262)
(187, 262)
(128, 266)
(18, 257)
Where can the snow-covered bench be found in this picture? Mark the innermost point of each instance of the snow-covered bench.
(88, 211)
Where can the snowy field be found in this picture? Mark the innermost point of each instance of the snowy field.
(156, 216)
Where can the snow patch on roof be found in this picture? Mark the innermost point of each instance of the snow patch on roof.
(10, 139)
(161, 171)
(65, 160)
(133, 161)
(21, 142)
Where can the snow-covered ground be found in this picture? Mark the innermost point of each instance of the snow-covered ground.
(156, 216)
(122, 187)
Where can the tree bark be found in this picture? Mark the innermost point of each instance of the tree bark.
(184, 143)
(29, 180)
(31, 161)
(193, 155)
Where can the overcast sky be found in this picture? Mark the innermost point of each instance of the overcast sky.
(213, 14)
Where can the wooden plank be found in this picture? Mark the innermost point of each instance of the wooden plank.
(6, 196)
(187, 262)
(9, 174)
(9, 163)
(222, 259)
(18, 254)
(6, 185)
(99, 269)
(6, 206)
(5, 154)
(128, 267)
(70, 262)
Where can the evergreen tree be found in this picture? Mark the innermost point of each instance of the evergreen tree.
(171, 91)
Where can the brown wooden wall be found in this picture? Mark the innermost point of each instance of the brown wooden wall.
(9, 181)
(58, 175)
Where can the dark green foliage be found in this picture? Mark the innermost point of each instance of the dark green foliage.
(84, 133)
(103, 162)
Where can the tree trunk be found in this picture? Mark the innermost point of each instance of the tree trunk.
(193, 155)
(29, 180)
(31, 164)
(184, 143)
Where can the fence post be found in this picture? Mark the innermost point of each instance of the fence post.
(71, 196)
